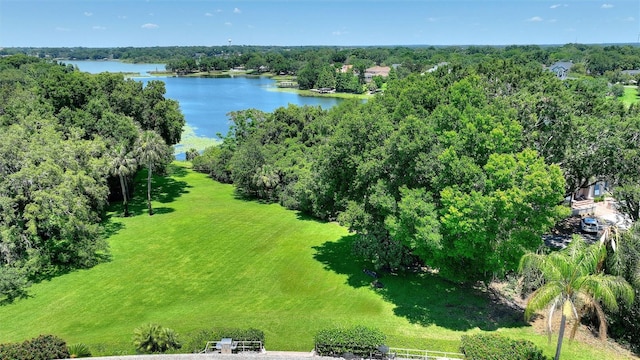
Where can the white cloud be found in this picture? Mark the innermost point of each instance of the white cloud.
(432, 19)
(122, 17)
(62, 29)
(98, 27)
(606, 6)
(236, 11)
(630, 18)
(552, 20)
(86, 13)
(149, 26)
(228, 23)
(555, 6)
(535, 19)
(208, 14)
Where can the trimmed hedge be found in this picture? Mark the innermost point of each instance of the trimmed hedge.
(44, 347)
(360, 341)
(496, 347)
(197, 342)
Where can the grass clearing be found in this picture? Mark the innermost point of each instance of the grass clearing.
(317, 94)
(208, 259)
(630, 95)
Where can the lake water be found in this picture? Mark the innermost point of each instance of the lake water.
(205, 102)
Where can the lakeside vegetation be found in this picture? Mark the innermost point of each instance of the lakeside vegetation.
(440, 183)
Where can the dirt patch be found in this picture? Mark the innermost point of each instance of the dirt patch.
(505, 292)
(584, 334)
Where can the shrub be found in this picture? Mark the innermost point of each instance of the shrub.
(44, 347)
(198, 341)
(153, 338)
(359, 341)
(495, 347)
(79, 351)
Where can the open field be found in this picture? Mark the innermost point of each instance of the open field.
(208, 259)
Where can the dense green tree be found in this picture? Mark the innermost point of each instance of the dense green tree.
(246, 163)
(308, 75)
(326, 78)
(191, 154)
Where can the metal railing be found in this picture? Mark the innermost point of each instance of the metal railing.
(415, 354)
(236, 346)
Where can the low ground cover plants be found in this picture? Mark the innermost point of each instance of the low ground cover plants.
(79, 350)
(153, 338)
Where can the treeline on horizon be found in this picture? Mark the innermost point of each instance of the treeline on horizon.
(604, 59)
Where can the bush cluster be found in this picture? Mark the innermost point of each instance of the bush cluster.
(197, 342)
(496, 347)
(44, 347)
(359, 341)
(153, 338)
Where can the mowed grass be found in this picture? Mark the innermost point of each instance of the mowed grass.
(630, 95)
(208, 259)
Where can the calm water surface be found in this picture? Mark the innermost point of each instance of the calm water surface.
(205, 102)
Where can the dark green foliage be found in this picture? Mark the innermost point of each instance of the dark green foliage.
(359, 341)
(191, 154)
(57, 126)
(496, 347)
(624, 324)
(79, 351)
(44, 347)
(215, 161)
(153, 338)
(198, 341)
(13, 282)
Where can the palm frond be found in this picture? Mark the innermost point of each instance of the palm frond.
(541, 298)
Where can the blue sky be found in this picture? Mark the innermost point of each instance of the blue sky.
(118, 23)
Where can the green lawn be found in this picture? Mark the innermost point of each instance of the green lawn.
(207, 259)
(630, 95)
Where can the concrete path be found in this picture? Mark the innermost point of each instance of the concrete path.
(269, 355)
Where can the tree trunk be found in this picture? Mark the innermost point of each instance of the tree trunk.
(149, 190)
(124, 196)
(563, 321)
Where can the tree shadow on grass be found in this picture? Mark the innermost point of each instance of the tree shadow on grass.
(110, 226)
(164, 189)
(423, 297)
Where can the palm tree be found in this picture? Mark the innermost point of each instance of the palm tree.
(123, 164)
(572, 278)
(153, 152)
